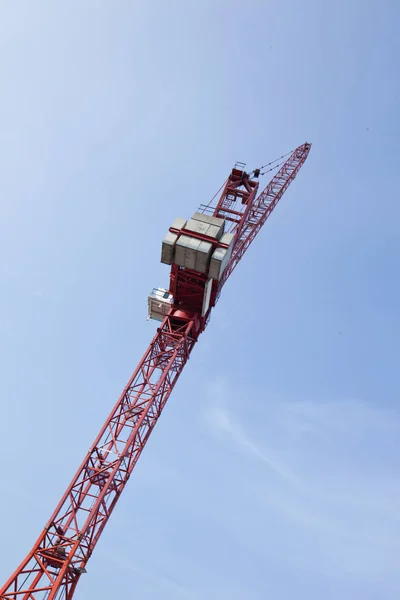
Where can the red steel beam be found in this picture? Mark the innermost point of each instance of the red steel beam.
(61, 552)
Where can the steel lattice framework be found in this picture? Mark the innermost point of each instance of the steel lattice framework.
(53, 567)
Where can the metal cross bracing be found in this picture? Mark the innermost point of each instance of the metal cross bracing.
(59, 557)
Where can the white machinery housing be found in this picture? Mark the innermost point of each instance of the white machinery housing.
(159, 303)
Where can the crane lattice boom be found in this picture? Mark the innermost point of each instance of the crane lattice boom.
(53, 567)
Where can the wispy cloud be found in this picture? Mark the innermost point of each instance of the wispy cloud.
(221, 419)
(159, 581)
(337, 488)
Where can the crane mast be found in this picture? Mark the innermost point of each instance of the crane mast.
(202, 253)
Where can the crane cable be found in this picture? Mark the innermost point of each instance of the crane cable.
(273, 168)
(205, 207)
(276, 160)
(258, 171)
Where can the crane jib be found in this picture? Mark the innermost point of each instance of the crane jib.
(202, 253)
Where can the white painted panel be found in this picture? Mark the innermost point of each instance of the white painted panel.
(207, 297)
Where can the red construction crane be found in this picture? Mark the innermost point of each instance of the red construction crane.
(202, 253)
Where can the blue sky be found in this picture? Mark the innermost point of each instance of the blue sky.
(273, 472)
